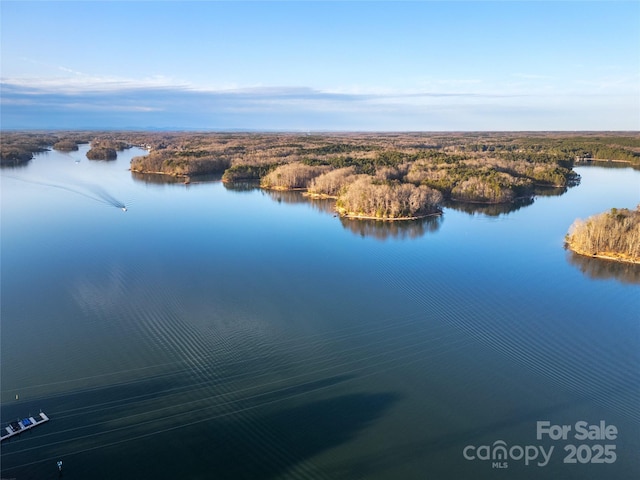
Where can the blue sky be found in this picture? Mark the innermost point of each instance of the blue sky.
(303, 65)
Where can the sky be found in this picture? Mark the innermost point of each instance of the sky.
(320, 66)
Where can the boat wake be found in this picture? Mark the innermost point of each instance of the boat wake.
(92, 192)
(106, 197)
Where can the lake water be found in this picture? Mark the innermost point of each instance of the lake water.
(232, 333)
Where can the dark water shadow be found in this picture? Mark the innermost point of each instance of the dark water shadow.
(160, 179)
(487, 434)
(292, 197)
(550, 191)
(325, 205)
(396, 230)
(156, 178)
(259, 437)
(207, 178)
(156, 385)
(266, 444)
(490, 210)
(242, 186)
(607, 164)
(602, 269)
(15, 165)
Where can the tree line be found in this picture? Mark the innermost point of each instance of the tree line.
(613, 234)
(482, 167)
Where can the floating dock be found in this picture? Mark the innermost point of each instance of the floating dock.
(19, 426)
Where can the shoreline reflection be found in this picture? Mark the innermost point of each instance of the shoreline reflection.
(490, 210)
(396, 230)
(602, 269)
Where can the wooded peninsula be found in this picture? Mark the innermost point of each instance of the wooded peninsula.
(386, 176)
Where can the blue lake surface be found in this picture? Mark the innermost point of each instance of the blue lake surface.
(233, 333)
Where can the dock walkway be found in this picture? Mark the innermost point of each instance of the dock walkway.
(19, 426)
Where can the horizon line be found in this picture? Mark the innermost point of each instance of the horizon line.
(300, 131)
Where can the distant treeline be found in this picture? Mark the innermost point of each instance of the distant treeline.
(396, 168)
(18, 147)
(614, 234)
(596, 146)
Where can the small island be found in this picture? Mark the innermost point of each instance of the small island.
(65, 146)
(612, 235)
(102, 153)
(380, 197)
(105, 149)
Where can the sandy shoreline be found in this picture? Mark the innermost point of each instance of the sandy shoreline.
(610, 256)
(385, 219)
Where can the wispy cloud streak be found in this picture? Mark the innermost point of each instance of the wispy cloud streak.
(160, 102)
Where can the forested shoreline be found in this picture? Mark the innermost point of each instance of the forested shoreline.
(613, 235)
(369, 175)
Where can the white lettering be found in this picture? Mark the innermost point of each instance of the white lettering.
(520, 453)
(546, 457)
(466, 450)
(555, 432)
(531, 453)
(483, 452)
(602, 431)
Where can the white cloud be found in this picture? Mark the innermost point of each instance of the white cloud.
(161, 101)
(84, 83)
